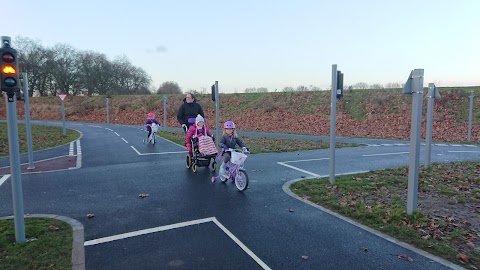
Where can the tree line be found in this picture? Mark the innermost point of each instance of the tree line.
(62, 69)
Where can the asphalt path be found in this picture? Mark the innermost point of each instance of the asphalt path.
(188, 222)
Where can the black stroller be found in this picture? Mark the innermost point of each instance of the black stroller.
(199, 159)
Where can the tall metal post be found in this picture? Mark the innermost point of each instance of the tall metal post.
(217, 115)
(333, 122)
(27, 121)
(164, 112)
(63, 119)
(108, 112)
(428, 139)
(17, 191)
(417, 94)
(470, 112)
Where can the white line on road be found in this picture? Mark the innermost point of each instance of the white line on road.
(109, 129)
(456, 145)
(240, 244)
(176, 226)
(463, 151)
(124, 140)
(4, 178)
(385, 154)
(94, 126)
(146, 231)
(79, 148)
(304, 160)
(161, 153)
(76, 124)
(441, 144)
(298, 169)
(117, 134)
(70, 150)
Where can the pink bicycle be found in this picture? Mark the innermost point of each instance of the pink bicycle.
(234, 168)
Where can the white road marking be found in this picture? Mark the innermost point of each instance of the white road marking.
(385, 154)
(76, 124)
(146, 231)
(94, 126)
(176, 226)
(117, 134)
(124, 140)
(298, 169)
(456, 145)
(463, 151)
(401, 144)
(240, 244)
(4, 178)
(441, 144)
(304, 160)
(161, 153)
(469, 145)
(387, 144)
(109, 129)
(71, 149)
(79, 148)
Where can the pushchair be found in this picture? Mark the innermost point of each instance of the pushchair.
(204, 158)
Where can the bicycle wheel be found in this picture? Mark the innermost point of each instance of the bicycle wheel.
(154, 139)
(241, 180)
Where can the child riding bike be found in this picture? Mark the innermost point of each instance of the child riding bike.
(229, 140)
(197, 130)
(148, 124)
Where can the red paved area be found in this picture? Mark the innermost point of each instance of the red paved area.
(58, 163)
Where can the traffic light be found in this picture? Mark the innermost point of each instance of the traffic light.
(339, 84)
(9, 70)
(213, 92)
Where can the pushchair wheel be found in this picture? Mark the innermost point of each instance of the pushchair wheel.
(189, 161)
(214, 166)
(194, 168)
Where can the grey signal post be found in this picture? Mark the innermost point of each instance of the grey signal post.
(164, 112)
(217, 115)
(470, 112)
(14, 150)
(431, 96)
(333, 122)
(27, 121)
(63, 118)
(108, 111)
(414, 87)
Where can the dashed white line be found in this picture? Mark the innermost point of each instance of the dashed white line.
(456, 145)
(441, 144)
(305, 160)
(4, 178)
(386, 154)
(95, 126)
(109, 129)
(71, 149)
(124, 140)
(79, 148)
(117, 134)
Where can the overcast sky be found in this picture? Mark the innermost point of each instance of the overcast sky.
(271, 43)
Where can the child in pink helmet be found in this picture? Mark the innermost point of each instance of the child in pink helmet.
(150, 120)
(229, 140)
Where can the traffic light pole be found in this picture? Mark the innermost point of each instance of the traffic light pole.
(217, 115)
(333, 122)
(14, 151)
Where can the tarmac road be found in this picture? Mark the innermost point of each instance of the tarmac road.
(187, 222)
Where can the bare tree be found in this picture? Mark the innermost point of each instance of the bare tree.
(288, 89)
(65, 69)
(360, 85)
(376, 86)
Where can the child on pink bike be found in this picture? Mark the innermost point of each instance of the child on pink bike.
(148, 124)
(229, 140)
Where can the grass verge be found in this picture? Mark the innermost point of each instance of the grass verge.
(48, 246)
(43, 137)
(266, 145)
(446, 223)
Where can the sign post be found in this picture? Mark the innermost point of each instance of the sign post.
(108, 112)
(164, 112)
(414, 87)
(470, 112)
(432, 94)
(27, 123)
(62, 98)
(217, 113)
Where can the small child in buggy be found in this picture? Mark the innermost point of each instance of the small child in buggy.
(200, 145)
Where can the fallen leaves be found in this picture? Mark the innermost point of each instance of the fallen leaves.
(364, 249)
(463, 257)
(405, 257)
(53, 228)
(90, 215)
(143, 195)
(305, 257)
